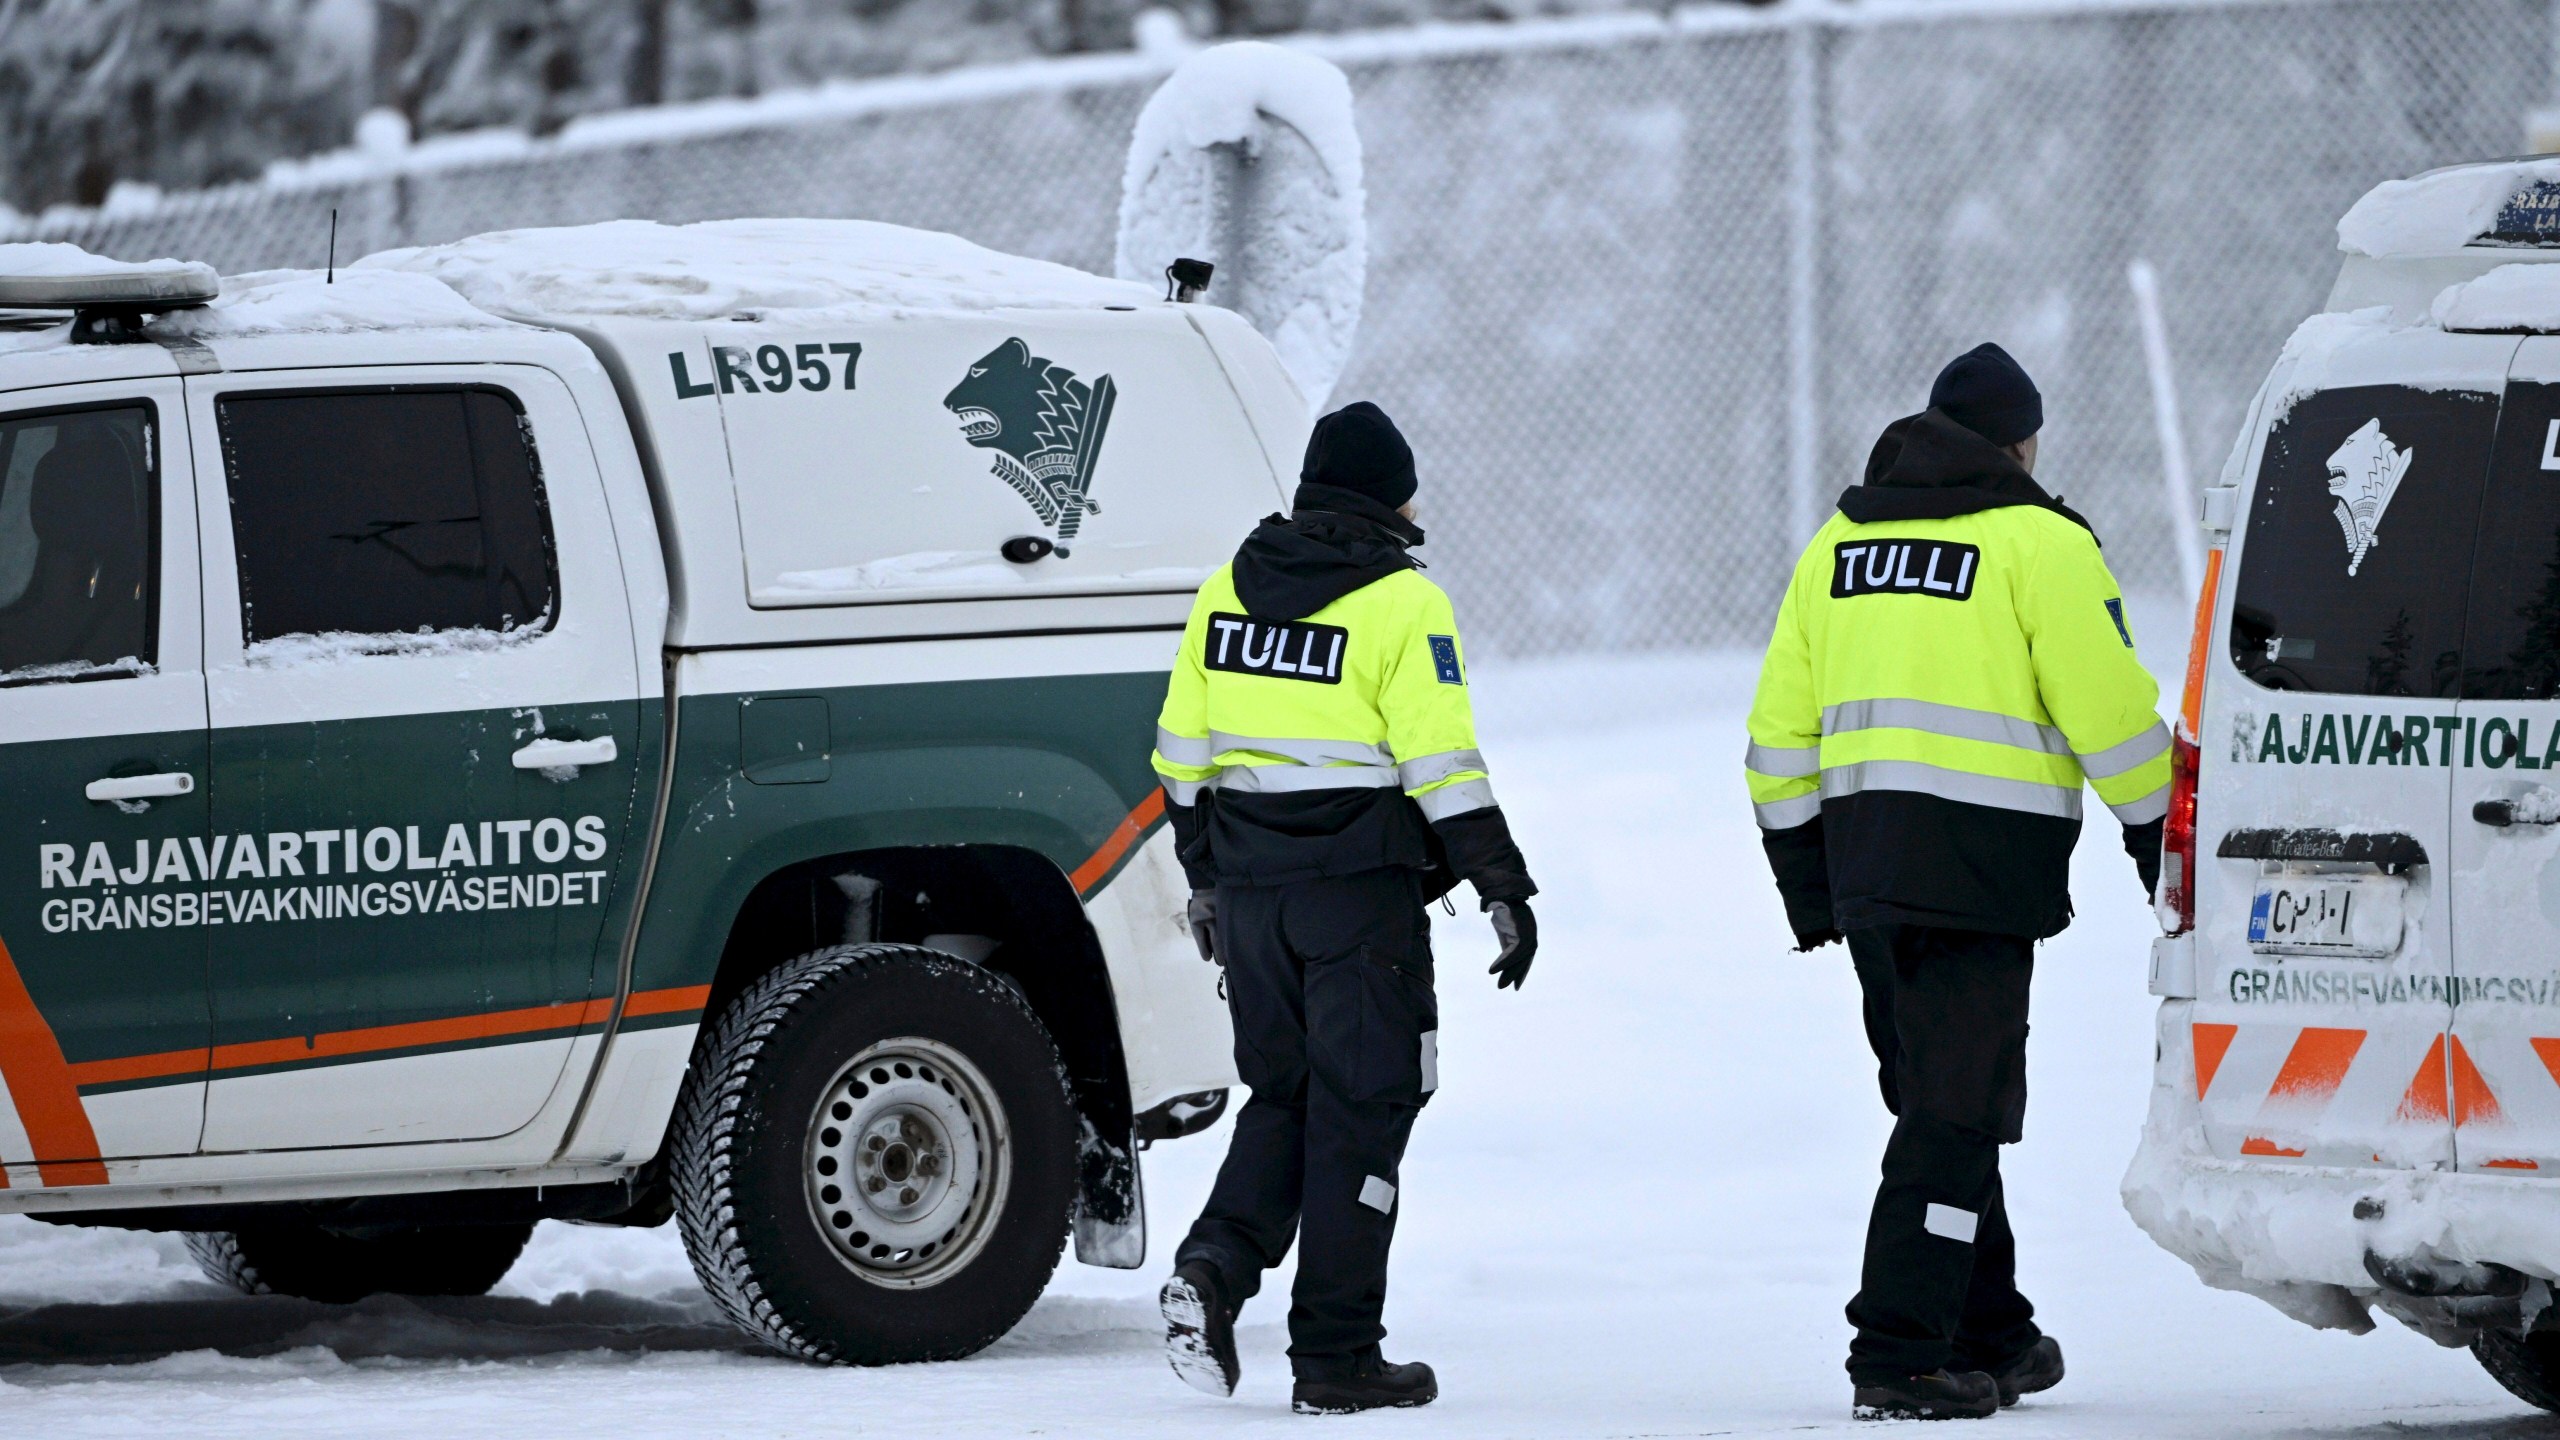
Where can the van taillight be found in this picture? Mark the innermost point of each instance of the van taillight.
(2177, 900)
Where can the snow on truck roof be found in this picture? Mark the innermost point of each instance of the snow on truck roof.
(716, 269)
(634, 269)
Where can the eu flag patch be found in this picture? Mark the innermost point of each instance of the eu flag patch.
(1444, 659)
(2115, 612)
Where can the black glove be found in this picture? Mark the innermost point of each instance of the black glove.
(1808, 941)
(1517, 929)
(2142, 842)
(1202, 913)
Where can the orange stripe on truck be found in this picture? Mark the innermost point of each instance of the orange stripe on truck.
(338, 1044)
(1129, 832)
(40, 1085)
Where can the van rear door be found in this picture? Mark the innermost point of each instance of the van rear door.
(2322, 1014)
(2501, 1081)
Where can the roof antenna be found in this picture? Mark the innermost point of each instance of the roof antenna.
(333, 247)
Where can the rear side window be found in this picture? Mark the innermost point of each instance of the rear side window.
(2360, 537)
(79, 524)
(387, 512)
(2512, 649)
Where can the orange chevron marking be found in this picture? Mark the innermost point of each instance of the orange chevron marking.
(2312, 1072)
(2549, 1050)
(1127, 833)
(40, 1085)
(2212, 1043)
(2470, 1100)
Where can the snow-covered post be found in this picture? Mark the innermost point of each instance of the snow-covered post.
(1804, 259)
(1246, 157)
(2177, 491)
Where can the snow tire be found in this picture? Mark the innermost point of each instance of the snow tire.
(2528, 1365)
(745, 1125)
(338, 1267)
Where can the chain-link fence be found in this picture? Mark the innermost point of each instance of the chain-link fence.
(1644, 290)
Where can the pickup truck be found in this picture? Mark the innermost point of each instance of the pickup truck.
(613, 724)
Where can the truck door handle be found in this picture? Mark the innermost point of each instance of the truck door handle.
(142, 787)
(566, 754)
(2536, 807)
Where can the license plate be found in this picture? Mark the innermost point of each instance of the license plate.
(2356, 915)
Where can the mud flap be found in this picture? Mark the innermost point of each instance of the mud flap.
(1111, 1203)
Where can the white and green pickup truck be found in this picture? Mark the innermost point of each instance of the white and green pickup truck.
(607, 723)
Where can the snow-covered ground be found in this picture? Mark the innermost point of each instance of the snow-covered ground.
(1634, 1208)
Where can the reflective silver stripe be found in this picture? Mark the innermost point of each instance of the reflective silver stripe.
(1184, 749)
(1954, 721)
(1182, 792)
(1305, 752)
(1455, 799)
(2117, 759)
(2145, 810)
(1787, 763)
(1787, 814)
(1274, 779)
(2031, 796)
(1423, 769)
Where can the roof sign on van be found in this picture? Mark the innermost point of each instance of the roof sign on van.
(2503, 204)
(2531, 216)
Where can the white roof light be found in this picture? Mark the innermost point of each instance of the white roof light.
(48, 275)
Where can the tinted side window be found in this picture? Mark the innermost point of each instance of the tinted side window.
(2352, 580)
(386, 512)
(2511, 649)
(79, 527)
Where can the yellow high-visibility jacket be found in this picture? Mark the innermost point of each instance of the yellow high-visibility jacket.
(1935, 693)
(1322, 745)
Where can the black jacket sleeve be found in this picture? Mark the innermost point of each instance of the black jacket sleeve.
(1797, 858)
(1187, 843)
(1480, 851)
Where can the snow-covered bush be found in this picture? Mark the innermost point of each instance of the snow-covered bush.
(1246, 157)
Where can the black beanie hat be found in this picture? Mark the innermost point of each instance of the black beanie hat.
(1984, 391)
(1357, 448)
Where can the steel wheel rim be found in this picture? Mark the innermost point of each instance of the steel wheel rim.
(906, 1161)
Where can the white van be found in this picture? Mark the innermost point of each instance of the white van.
(2357, 1099)
(604, 723)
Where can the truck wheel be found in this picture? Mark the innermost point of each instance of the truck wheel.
(314, 1262)
(2528, 1365)
(874, 1157)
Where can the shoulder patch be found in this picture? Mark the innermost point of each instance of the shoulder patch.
(1940, 568)
(2115, 612)
(1444, 659)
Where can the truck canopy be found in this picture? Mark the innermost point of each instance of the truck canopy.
(850, 427)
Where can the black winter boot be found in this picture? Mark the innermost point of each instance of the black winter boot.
(1938, 1395)
(1370, 1383)
(1200, 1328)
(2038, 1367)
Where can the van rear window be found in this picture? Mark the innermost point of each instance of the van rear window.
(2360, 534)
(2512, 649)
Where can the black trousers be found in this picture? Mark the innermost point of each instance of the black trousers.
(1329, 982)
(1946, 1014)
